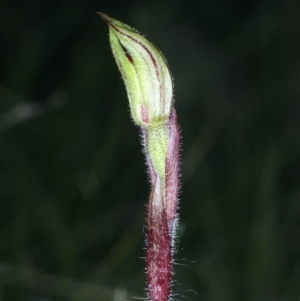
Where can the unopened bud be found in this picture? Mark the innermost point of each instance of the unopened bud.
(145, 72)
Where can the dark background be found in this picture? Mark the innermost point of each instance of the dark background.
(73, 186)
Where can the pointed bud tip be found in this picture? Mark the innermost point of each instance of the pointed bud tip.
(108, 19)
(104, 16)
(115, 24)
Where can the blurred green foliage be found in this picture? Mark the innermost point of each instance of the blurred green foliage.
(73, 186)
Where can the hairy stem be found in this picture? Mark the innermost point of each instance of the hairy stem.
(158, 254)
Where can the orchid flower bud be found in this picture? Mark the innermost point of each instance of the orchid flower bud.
(150, 91)
(145, 72)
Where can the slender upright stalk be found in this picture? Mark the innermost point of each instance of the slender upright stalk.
(149, 87)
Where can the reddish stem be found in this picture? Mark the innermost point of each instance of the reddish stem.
(162, 217)
(158, 257)
(172, 168)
